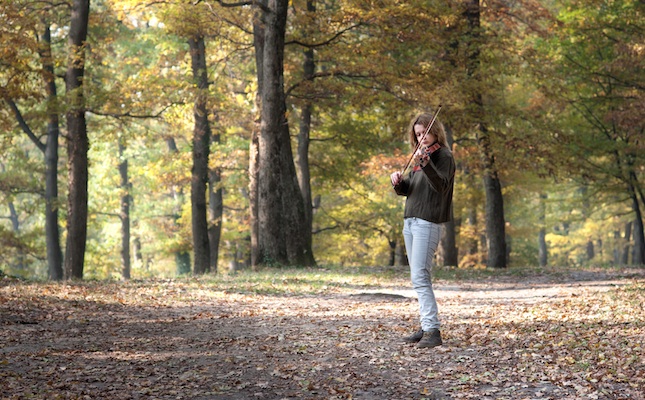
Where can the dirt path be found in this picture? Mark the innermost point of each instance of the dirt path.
(542, 338)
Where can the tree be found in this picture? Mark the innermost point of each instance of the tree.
(543, 253)
(347, 76)
(201, 151)
(182, 257)
(304, 139)
(52, 231)
(495, 224)
(591, 72)
(77, 141)
(448, 245)
(134, 86)
(280, 208)
(200, 25)
(50, 147)
(126, 260)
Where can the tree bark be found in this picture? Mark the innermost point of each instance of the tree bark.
(472, 242)
(15, 224)
(50, 152)
(254, 145)
(590, 250)
(304, 176)
(542, 248)
(271, 241)
(182, 257)
(449, 242)
(254, 156)
(638, 256)
(126, 264)
(52, 228)
(77, 143)
(449, 237)
(639, 231)
(392, 260)
(201, 149)
(495, 224)
(401, 257)
(137, 253)
(215, 213)
(281, 232)
(627, 237)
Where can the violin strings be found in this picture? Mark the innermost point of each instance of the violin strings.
(434, 117)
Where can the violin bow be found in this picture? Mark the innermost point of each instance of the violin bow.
(434, 117)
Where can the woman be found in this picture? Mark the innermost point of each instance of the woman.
(428, 188)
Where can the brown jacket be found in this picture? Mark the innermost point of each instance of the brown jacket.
(429, 190)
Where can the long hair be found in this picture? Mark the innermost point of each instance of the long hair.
(437, 130)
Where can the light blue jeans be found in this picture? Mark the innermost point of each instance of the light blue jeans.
(421, 241)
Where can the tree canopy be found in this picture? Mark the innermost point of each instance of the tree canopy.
(543, 101)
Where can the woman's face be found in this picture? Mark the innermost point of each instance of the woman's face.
(428, 140)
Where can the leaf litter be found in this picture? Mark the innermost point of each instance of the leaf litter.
(559, 336)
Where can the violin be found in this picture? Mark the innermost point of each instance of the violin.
(425, 133)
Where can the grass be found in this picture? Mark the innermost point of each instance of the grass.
(320, 280)
(335, 279)
(304, 281)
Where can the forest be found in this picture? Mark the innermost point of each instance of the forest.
(143, 139)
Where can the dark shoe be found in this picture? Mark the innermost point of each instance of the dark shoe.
(431, 338)
(415, 337)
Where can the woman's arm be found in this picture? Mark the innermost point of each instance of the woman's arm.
(441, 170)
(399, 184)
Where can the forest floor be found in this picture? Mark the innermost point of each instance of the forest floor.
(321, 334)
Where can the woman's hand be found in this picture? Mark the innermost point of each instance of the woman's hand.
(395, 178)
(421, 156)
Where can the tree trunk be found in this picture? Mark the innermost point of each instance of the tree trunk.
(638, 256)
(590, 250)
(15, 224)
(77, 143)
(449, 237)
(449, 242)
(215, 211)
(542, 249)
(617, 244)
(126, 265)
(392, 260)
(52, 228)
(254, 156)
(495, 224)
(628, 235)
(472, 244)
(281, 232)
(137, 253)
(182, 257)
(304, 176)
(254, 146)
(639, 233)
(201, 149)
(401, 257)
(271, 241)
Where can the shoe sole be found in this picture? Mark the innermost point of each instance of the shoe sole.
(428, 346)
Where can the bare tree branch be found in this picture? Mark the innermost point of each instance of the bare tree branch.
(324, 74)
(129, 114)
(23, 124)
(326, 42)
